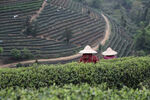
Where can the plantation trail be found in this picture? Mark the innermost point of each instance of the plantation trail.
(33, 17)
(107, 33)
(38, 12)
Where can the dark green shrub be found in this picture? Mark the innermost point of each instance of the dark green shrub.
(67, 35)
(142, 40)
(145, 83)
(140, 53)
(30, 28)
(26, 54)
(116, 73)
(16, 54)
(19, 65)
(23, 54)
(74, 92)
(1, 50)
(96, 4)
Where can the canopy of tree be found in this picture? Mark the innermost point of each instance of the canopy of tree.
(142, 40)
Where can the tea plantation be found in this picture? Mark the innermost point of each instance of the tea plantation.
(72, 92)
(118, 79)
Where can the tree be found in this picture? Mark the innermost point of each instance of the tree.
(142, 39)
(16, 54)
(21, 54)
(96, 4)
(26, 54)
(127, 4)
(140, 53)
(123, 21)
(27, 21)
(34, 27)
(67, 35)
(30, 28)
(1, 50)
(146, 7)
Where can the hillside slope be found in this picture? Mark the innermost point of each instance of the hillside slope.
(52, 18)
(52, 21)
(121, 39)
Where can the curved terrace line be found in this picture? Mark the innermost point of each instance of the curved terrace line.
(107, 34)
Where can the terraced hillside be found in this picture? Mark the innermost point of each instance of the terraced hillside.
(119, 40)
(86, 25)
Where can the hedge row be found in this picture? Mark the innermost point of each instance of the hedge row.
(73, 92)
(118, 72)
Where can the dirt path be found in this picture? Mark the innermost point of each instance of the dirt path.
(38, 12)
(107, 33)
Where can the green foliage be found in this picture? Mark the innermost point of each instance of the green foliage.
(21, 54)
(146, 11)
(119, 72)
(145, 83)
(75, 92)
(1, 50)
(140, 53)
(134, 11)
(127, 4)
(19, 65)
(16, 54)
(123, 21)
(26, 54)
(67, 35)
(30, 27)
(100, 47)
(96, 4)
(142, 40)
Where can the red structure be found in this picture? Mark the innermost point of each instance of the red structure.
(88, 56)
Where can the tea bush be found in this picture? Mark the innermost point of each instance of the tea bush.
(74, 92)
(119, 72)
